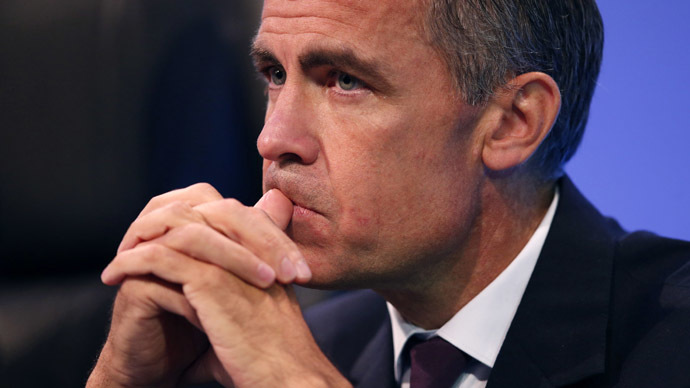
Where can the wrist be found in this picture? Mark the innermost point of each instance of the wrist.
(313, 371)
(317, 380)
(101, 378)
(108, 372)
(320, 374)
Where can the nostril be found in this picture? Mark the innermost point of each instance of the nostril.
(281, 145)
(288, 137)
(290, 158)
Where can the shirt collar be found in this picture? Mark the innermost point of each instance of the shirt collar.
(480, 327)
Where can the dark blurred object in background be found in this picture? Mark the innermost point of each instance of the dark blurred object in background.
(104, 104)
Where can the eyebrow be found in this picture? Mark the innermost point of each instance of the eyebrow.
(262, 57)
(343, 59)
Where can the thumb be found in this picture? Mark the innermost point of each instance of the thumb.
(277, 206)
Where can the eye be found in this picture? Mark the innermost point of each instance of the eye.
(348, 82)
(276, 75)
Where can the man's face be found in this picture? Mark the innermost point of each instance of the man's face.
(365, 134)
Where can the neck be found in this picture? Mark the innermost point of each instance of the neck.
(510, 213)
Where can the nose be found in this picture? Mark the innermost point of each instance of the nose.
(288, 132)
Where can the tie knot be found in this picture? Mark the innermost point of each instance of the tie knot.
(434, 363)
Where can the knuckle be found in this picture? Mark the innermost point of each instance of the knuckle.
(277, 242)
(191, 230)
(205, 189)
(233, 205)
(156, 201)
(187, 234)
(133, 288)
(259, 214)
(151, 252)
(213, 276)
(260, 219)
(271, 240)
(180, 208)
(135, 292)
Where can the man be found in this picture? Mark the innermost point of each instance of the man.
(414, 148)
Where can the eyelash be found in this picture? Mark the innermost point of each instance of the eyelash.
(265, 71)
(332, 81)
(359, 87)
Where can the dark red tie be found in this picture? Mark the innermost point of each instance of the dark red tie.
(434, 363)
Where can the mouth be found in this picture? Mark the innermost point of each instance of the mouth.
(299, 211)
(299, 194)
(311, 209)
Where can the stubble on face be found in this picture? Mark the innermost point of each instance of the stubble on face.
(392, 187)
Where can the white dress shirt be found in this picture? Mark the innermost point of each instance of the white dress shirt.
(480, 327)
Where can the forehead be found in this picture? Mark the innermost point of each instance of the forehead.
(363, 21)
(376, 8)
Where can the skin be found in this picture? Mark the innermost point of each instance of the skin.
(184, 315)
(376, 175)
(406, 206)
(409, 145)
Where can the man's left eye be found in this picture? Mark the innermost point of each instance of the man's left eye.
(348, 82)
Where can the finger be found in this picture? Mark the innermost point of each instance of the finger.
(163, 295)
(277, 206)
(194, 195)
(207, 244)
(253, 229)
(153, 259)
(207, 288)
(157, 222)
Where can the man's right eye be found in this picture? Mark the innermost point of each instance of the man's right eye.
(276, 75)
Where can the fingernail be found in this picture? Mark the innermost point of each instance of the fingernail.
(266, 274)
(303, 271)
(287, 270)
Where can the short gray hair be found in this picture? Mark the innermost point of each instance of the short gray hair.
(487, 42)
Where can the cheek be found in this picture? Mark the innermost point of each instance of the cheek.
(398, 178)
(382, 199)
(405, 221)
(359, 217)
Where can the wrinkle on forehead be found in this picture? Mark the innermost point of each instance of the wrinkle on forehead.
(306, 18)
(381, 11)
(298, 6)
(297, 23)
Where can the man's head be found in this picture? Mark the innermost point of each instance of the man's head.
(384, 156)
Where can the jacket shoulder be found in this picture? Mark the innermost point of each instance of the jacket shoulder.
(649, 258)
(650, 315)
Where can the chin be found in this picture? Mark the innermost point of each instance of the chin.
(331, 276)
(327, 274)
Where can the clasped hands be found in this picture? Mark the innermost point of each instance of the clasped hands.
(204, 295)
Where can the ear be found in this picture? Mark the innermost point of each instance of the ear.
(526, 111)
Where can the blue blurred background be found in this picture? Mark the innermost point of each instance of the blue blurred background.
(634, 161)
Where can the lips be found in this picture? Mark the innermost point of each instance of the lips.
(303, 194)
(301, 211)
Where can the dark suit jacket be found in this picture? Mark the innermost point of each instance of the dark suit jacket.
(603, 308)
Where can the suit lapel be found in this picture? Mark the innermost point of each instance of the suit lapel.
(374, 367)
(354, 332)
(558, 335)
